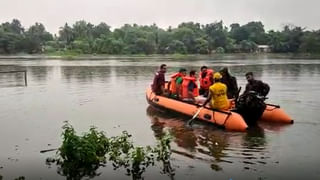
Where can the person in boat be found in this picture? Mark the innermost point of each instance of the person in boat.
(158, 85)
(261, 88)
(231, 83)
(206, 80)
(189, 87)
(176, 82)
(218, 94)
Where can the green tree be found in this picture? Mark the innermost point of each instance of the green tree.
(277, 42)
(144, 46)
(116, 46)
(252, 31)
(293, 37)
(220, 50)
(202, 46)
(217, 35)
(82, 46)
(231, 45)
(248, 46)
(238, 33)
(288, 40)
(256, 33)
(66, 34)
(100, 29)
(164, 39)
(11, 35)
(35, 38)
(83, 30)
(138, 39)
(108, 45)
(177, 47)
(195, 27)
(310, 42)
(13, 27)
(187, 36)
(9, 42)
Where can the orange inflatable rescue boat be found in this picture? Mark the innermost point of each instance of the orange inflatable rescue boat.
(227, 119)
(273, 113)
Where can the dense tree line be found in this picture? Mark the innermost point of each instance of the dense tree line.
(188, 38)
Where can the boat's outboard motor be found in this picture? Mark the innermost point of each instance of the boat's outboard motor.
(251, 107)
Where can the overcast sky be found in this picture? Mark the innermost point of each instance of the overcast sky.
(54, 13)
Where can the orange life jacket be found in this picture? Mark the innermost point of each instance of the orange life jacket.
(206, 82)
(185, 84)
(173, 85)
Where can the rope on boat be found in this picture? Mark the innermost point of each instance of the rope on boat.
(225, 121)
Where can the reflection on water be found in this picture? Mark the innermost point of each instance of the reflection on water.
(85, 73)
(15, 79)
(209, 144)
(39, 73)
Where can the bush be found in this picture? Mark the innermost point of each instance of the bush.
(81, 156)
(220, 50)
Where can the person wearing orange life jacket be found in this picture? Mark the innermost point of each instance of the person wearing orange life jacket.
(175, 83)
(218, 94)
(206, 80)
(189, 87)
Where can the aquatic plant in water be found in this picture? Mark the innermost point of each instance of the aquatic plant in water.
(81, 156)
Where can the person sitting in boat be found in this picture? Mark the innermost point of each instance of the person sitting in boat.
(189, 87)
(231, 83)
(159, 81)
(176, 82)
(261, 88)
(218, 94)
(206, 80)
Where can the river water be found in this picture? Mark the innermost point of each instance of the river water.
(110, 94)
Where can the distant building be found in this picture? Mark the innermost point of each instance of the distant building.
(263, 49)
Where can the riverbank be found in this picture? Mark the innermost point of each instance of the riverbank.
(231, 56)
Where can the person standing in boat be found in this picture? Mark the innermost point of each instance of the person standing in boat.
(206, 80)
(189, 87)
(218, 94)
(261, 88)
(158, 85)
(176, 82)
(231, 83)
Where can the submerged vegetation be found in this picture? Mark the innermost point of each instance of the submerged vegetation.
(188, 38)
(81, 156)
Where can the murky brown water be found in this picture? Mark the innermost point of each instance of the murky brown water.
(110, 94)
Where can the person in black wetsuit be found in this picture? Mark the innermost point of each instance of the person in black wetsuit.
(261, 88)
(231, 83)
(250, 104)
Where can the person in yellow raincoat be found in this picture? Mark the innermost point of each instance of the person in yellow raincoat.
(218, 94)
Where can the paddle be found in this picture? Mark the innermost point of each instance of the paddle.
(189, 123)
(276, 106)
